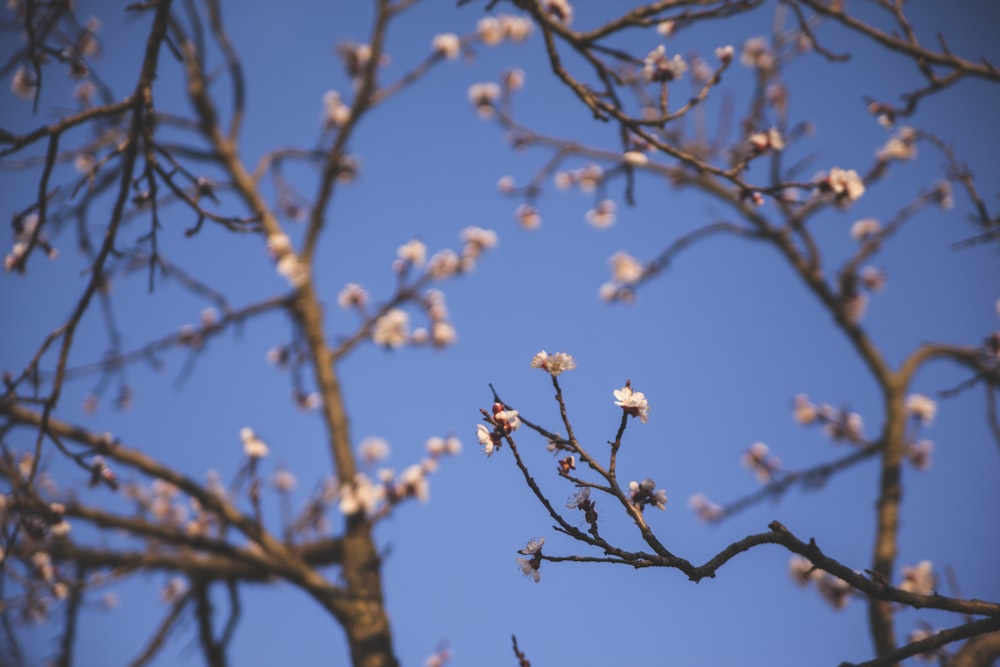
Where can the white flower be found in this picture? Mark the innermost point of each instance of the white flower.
(528, 568)
(508, 419)
(864, 229)
(589, 177)
(413, 482)
(506, 184)
(253, 447)
(666, 28)
(602, 215)
(437, 447)
(625, 269)
(632, 402)
(943, 194)
(373, 449)
(485, 436)
(919, 579)
(724, 53)
(484, 97)
(413, 252)
(513, 79)
(448, 44)
(645, 493)
(532, 547)
(835, 591)
(476, 240)
(335, 112)
(392, 329)
(553, 363)
(922, 408)
(352, 296)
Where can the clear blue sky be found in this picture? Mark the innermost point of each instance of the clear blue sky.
(720, 345)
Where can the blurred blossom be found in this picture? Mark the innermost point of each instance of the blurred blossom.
(666, 28)
(864, 229)
(921, 408)
(724, 53)
(173, 590)
(448, 44)
(476, 240)
(284, 481)
(554, 363)
(253, 447)
(352, 296)
(392, 329)
(439, 446)
(335, 112)
(513, 79)
(919, 579)
(943, 194)
(845, 185)
(632, 402)
(439, 659)
(360, 496)
(763, 466)
(902, 146)
(705, 509)
(413, 482)
(23, 84)
(295, 271)
(528, 216)
(278, 245)
(413, 252)
(559, 10)
(919, 454)
(757, 54)
(636, 158)
(373, 449)
(625, 269)
(855, 307)
(658, 67)
(805, 411)
(506, 184)
(760, 142)
(484, 97)
(443, 334)
(443, 264)
(835, 591)
(489, 30)
(872, 278)
(802, 571)
(602, 215)
(515, 28)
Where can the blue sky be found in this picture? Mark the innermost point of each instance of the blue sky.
(720, 344)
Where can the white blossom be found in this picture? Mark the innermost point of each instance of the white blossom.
(413, 252)
(705, 509)
(636, 158)
(554, 363)
(560, 10)
(757, 54)
(901, 146)
(485, 436)
(864, 229)
(352, 295)
(602, 215)
(632, 402)
(484, 97)
(392, 329)
(724, 53)
(528, 216)
(658, 67)
(372, 449)
(844, 184)
(335, 112)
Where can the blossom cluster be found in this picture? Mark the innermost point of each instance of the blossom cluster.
(844, 185)
(371, 496)
(553, 364)
(493, 30)
(645, 493)
(503, 422)
(757, 459)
